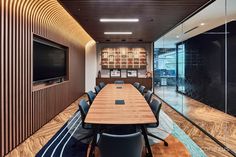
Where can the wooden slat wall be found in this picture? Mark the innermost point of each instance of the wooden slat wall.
(23, 111)
(48, 103)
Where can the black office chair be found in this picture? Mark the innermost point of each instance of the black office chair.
(136, 85)
(84, 108)
(148, 96)
(156, 108)
(141, 89)
(91, 97)
(97, 89)
(102, 85)
(129, 145)
(119, 82)
(121, 129)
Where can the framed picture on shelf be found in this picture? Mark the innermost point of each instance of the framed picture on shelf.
(123, 73)
(130, 55)
(111, 58)
(136, 54)
(115, 73)
(132, 73)
(105, 55)
(123, 53)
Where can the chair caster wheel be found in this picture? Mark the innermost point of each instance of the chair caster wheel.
(148, 155)
(165, 144)
(92, 155)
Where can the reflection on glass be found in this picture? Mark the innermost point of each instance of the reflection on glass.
(194, 70)
(181, 68)
(165, 68)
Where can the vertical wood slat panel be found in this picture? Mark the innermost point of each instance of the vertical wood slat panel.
(13, 75)
(6, 78)
(1, 81)
(26, 75)
(23, 74)
(37, 110)
(22, 110)
(10, 75)
(53, 96)
(17, 71)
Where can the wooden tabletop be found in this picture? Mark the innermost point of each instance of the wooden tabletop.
(135, 110)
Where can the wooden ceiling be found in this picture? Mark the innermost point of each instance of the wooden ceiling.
(156, 17)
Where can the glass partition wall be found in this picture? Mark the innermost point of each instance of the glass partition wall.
(180, 60)
(195, 70)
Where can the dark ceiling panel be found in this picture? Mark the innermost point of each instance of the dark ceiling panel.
(156, 17)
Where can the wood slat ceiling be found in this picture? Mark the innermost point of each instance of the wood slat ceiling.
(156, 17)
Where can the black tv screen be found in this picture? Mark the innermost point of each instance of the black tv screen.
(49, 61)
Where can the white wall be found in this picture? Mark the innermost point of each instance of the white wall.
(90, 65)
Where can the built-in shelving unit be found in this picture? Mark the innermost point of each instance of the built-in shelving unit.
(147, 82)
(123, 58)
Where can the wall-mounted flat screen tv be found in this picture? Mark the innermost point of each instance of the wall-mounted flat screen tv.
(49, 61)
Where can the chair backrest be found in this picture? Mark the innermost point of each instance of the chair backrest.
(141, 89)
(119, 82)
(137, 85)
(148, 96)
(130, 145)
(97, 89)
(155, 105)
(83, 107)
(102, 84)
(91, 97)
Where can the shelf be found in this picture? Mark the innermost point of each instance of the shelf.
(44, 85)
(125, 58)
(147, 82)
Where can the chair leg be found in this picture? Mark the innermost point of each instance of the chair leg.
(86, 137)
(93, 144)
(154, 136)
(148, 147)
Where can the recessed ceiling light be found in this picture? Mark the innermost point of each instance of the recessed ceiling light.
(177, 36)
(115, 33)
(202, 24)
(119, 20)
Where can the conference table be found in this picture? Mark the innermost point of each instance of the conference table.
(118, 104)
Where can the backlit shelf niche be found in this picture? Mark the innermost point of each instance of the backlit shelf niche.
(123, 58)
